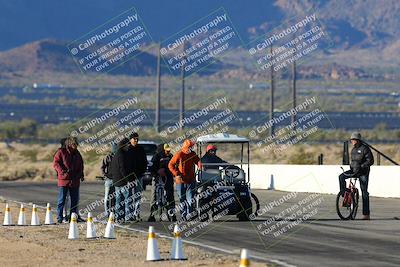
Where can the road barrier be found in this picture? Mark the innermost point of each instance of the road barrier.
(384, 181)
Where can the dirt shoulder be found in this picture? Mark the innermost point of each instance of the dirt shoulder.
(49, 246)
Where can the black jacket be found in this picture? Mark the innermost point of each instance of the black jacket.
(137, 161)
(211, 158)
(361, 159)
(160, 161)
(128, 163)
(106, 165)
(118, 168)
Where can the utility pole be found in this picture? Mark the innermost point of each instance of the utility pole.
(182, 102)
(293, 83)
(271, 97)
(158, 91)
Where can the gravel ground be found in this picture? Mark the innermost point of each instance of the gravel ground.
(49, 246)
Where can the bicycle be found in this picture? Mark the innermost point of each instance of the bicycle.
(161, 198)
(347, 205)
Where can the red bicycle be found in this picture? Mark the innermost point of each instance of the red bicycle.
(347, 204)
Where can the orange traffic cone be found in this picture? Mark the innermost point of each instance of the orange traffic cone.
(7, 216)
(244, 258)
(21, 216)
(177, 248)
(153, 254)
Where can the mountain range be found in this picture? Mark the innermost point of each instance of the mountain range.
(34, 35)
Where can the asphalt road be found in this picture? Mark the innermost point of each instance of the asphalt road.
(300, 230)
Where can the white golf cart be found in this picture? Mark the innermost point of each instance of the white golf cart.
(223, 188)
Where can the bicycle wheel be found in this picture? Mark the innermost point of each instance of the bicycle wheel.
(355, 207)
(344, 210)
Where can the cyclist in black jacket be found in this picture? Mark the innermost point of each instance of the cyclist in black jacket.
(361, 160)
(160, 170)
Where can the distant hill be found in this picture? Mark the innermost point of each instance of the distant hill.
(355, 23)
(365, 33)
(53, 56)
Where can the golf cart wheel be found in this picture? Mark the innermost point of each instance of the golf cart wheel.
(245, 214)
(203, 217)
(254, 199)
(243, 217)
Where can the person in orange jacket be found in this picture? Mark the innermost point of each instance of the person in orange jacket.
(182, 166)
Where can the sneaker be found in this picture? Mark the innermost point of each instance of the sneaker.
(60, 221)
(366, 217)
(80, 219)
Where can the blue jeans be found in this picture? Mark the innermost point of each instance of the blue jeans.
(123, 203)
(137, 195)
(62, 194)
(109, 196)
(186, 194)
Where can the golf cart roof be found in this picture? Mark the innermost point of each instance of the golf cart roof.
(146, 142)
(221, 138)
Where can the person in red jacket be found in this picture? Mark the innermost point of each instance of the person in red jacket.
(182, 166)
(68, 164)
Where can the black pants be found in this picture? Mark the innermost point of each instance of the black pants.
(169, 189)
(364, 188)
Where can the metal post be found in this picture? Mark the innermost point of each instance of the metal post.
(294, 92)
(182, 101)
(346, 159)
(271, 98)
(158, 91)
(321, 159)
(378, 158)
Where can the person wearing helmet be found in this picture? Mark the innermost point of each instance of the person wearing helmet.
(182, 166)
(211, 157)
(361, 161)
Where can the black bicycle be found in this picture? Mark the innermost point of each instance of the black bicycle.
(347, 204)
(161, 198)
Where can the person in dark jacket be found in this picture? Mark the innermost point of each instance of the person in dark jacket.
(120, 173)
(361, 161)
(211, 157)
(160, 170)
(138, 163)
(109, 195)
(127, 168)
(68, 164)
